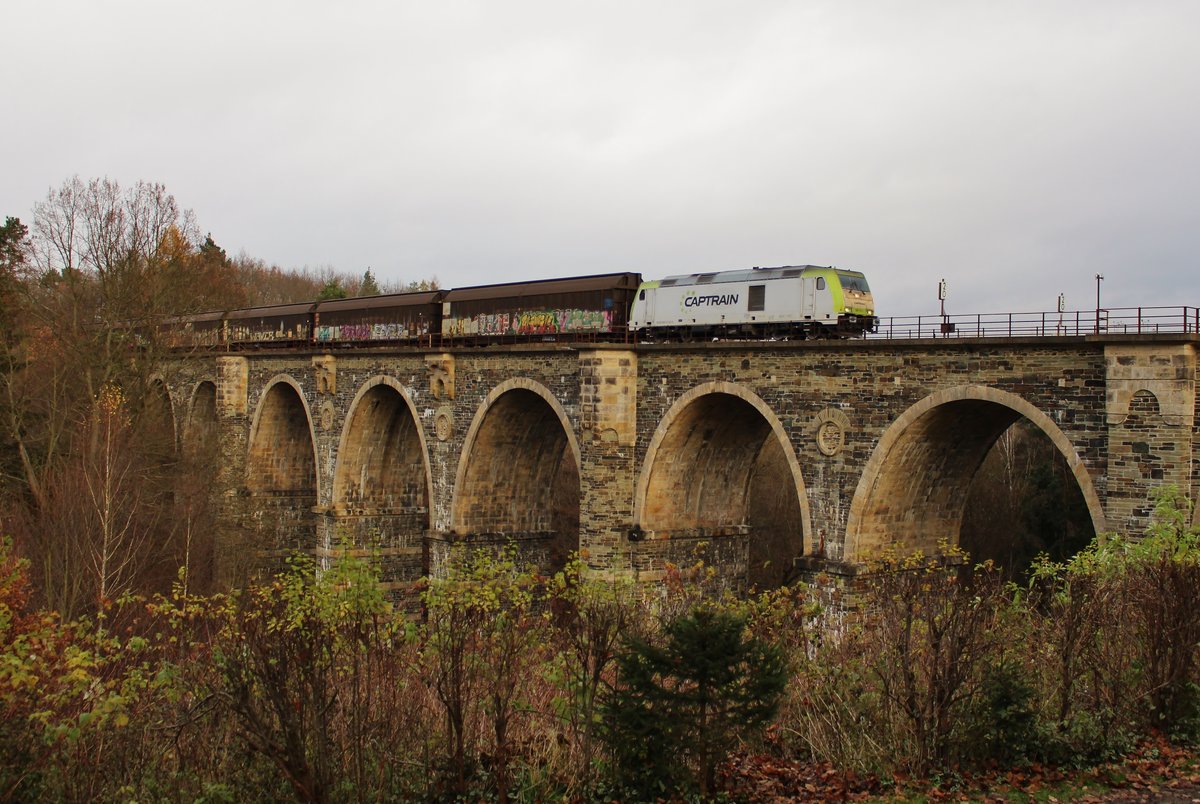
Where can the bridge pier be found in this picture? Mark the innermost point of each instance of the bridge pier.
(1150, 410)
(608, 459)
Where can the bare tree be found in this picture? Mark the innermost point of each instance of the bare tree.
(93, 486)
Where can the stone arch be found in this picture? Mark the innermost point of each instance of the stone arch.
(382, 460)
(721, 463)
(197, 486)
(201, 427)
(158, 421)
(282, 459)
(914, 487)
(518, 476)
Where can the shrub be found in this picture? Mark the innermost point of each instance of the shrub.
(903, 686)
(590, 617)
(931, 627)
(298, 661)
(1118, 627)
(482, 640)
(1005, 728)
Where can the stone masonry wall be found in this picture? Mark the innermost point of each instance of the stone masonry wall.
(869, 385)
(1151, 410)
(446, 392)
(1127, 411)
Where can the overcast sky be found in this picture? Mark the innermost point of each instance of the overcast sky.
(1015, 148)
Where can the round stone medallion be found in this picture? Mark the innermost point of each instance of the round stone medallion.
(443, 424)
(832, 425)
(327, 415)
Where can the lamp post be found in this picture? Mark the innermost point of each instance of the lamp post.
(1099, 279)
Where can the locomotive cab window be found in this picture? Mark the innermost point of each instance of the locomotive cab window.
(856, 283)
(820, 283)
(758, 298)
(641, 295)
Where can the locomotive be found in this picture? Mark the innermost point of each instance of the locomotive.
(804, 300)
(788, 301)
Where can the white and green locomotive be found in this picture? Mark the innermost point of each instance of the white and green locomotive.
(788, 301)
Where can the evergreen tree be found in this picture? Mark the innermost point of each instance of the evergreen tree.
(13, 242)
(369, 286)
(686, 702)
(333, 290)
(13, 245)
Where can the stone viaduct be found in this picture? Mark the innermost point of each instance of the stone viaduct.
(758, 453)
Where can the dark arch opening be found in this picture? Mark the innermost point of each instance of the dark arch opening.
(197, 488)
(281, 473)
(282, 460)
(522, 479)
(720, 470)
(381, 466)
(201, 430)
(381, 486)
(157, 425)
(1024, 501)
(936, 484)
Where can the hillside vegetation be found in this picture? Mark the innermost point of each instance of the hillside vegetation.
(516, 686)
(92, 489)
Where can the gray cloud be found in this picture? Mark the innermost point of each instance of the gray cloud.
(1015, 149)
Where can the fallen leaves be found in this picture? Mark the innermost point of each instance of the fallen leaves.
(1157, 770)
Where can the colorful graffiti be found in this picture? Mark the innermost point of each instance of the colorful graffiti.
(530, 322)
(372, 332)
(281, 332)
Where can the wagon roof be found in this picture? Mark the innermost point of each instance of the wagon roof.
(194, 318)
(375, 302)
(272, 310)
(546, 286)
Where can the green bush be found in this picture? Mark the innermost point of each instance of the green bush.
(679, 707)
(1005, 730)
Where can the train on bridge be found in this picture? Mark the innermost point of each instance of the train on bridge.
(784, 302)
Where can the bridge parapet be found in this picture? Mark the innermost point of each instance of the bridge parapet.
(1117, 322)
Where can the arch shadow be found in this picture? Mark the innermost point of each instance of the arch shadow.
(341, 478)
(918, 477)
(760, 448)
(201, 420)
(261, 407)
(511, 477)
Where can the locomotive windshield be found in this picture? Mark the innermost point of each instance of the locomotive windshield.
(854, 282)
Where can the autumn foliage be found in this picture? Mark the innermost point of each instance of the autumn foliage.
(513, 686)
(125, 676)
(96, 488)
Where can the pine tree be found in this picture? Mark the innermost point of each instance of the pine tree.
(369, 286)
(332, 290)
(13, 245)
(686, 702)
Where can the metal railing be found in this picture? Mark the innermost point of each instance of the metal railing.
(1105, 321)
